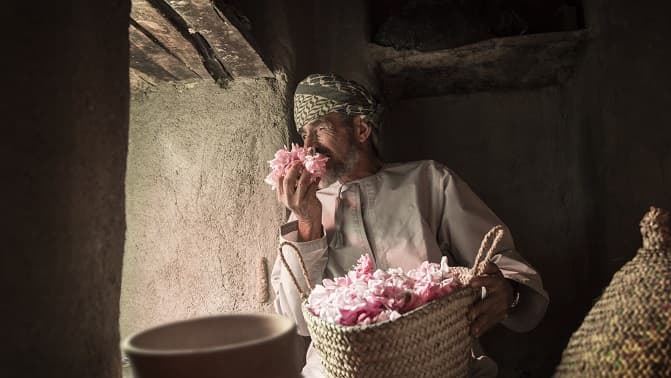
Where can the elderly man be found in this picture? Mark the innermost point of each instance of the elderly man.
(399, 214)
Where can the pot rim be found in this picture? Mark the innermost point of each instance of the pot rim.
(130, 349)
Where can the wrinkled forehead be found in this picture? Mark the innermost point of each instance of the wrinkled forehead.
(330, 119)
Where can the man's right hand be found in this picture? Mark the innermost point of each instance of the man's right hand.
(300, 196)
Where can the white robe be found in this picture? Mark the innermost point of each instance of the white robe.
(401, 216)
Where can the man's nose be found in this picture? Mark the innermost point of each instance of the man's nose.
(310, 140)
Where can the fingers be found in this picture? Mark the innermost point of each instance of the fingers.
(493, 308)
(494, 303)
(492, 279)
(486, 314)
(492, 283)
(290, 181)
(302, 187)
(297, 192)
(313, 188)
(280, 189)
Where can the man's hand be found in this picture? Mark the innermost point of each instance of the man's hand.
(300, 196)
(489, 311)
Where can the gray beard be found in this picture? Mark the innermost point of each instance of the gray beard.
(341, 168)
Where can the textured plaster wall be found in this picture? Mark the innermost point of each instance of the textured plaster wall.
(65, 130)
(199, 215)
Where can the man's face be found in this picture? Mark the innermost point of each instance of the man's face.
(331, 136)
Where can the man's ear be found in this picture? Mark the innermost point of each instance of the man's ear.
(362, 129)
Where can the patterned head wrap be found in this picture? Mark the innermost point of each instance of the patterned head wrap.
(320, 94)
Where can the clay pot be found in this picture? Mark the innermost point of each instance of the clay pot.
(232, 345)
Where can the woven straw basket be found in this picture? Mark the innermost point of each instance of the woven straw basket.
(627, 333)
(430, 341)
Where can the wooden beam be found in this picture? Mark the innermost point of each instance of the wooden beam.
(141, 62)
(215, 68)
(230, 47)
(510, 63)
(164, 33)
(140, 81)
(153, 60)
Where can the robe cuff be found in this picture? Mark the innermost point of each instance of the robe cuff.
(289, 233)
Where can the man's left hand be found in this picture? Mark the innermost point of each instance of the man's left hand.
(489, 311)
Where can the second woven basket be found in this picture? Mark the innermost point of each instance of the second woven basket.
(627, 333)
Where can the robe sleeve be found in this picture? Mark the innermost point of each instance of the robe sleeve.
(465, 219)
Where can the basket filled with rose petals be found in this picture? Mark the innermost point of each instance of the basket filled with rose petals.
(375, 323)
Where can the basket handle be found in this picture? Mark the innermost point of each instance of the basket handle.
(493, 237)
(303, 294)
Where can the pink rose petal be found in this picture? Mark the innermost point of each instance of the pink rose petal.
(313, 162)
(367, 296)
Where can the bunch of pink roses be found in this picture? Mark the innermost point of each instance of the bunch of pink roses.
(364, 296)
(313, 162)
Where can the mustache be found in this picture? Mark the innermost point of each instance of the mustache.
(322, 150)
